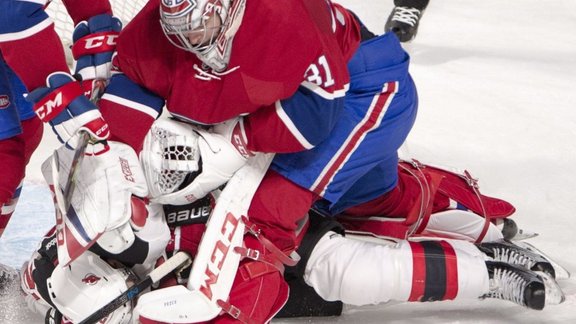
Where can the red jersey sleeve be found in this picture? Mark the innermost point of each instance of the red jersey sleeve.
(80, 10)
(307, 117)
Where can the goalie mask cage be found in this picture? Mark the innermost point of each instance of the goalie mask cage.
(125, 10)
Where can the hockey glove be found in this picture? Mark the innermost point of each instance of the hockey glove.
(94, 45)
(63, 104)
(219, 161)
(106, 185)
(233, 131)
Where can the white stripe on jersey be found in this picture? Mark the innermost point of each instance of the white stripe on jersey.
(132, 104)
(323, 93)
(27, 32)
(345, 149)
(291, 127)
(40, 2)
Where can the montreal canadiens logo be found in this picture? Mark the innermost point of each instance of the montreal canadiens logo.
(177, 7)
(4, 101)
(91, 279)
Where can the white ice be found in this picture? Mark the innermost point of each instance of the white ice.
(497, 85)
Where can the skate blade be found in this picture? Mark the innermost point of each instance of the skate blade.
(554, 294)
(524, 235)
(561, 272)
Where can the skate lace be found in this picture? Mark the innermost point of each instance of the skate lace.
(507, 285)
(406, 15)
(511, 256)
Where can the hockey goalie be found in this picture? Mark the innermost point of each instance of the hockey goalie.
(334, 109)
(336, 267)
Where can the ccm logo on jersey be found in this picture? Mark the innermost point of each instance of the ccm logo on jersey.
(4, 101)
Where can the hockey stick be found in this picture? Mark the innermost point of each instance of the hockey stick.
(83, 140)
(180, 259)
(70, 247)
(216, 263)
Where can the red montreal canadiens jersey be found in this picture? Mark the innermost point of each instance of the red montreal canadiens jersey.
(287, 70)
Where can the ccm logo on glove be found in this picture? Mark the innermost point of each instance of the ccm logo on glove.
(125, 165)
(95, 43)
(53, 103)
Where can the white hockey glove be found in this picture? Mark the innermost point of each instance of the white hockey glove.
(220, 160)
(184, 163)
(233, 131)
(102, 199)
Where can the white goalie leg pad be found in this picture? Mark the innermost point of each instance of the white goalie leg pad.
(461, 225)
(364, 273)
(216, 263)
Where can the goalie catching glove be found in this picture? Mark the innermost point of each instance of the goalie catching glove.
(107, 187)
(184, 163)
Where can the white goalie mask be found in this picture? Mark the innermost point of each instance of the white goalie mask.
(170, 158)
(203, 27)
(88, 284)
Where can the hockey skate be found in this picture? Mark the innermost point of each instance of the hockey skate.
(508, 252)
(404, 21)
(513, 283)
(561, 273)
